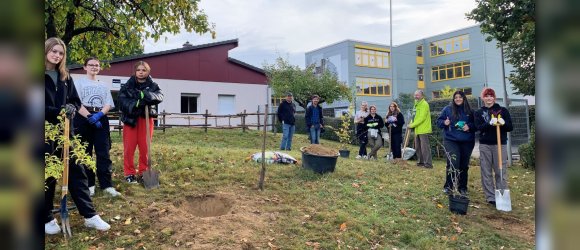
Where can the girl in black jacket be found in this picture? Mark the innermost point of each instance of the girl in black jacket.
(395, 122)
(138, 92)
(374, 123)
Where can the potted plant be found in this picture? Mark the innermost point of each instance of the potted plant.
(458, 202)
(344, 133)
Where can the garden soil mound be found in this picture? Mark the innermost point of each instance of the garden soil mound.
(317, 149)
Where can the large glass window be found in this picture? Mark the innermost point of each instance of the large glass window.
(372, 57)
(419, 50)
(450, 45)
(420, 73)
(450, 71)
(373, 86)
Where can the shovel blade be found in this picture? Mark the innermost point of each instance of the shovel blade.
(503, 202)
(151, 178)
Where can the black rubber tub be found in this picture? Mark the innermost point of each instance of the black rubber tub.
(319, 164)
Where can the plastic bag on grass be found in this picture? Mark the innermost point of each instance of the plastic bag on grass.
(274, 157)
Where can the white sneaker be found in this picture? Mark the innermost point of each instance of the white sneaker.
(92, 190)
(358, 157)
(97, 223)
(365, 157)
(51, 227)
(112, 191)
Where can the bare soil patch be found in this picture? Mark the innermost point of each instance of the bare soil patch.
(512, 226)
(211, 221)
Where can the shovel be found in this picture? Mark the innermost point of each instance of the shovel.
(64, 188)
(150, 176)
(502, 200)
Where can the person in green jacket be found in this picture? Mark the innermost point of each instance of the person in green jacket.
(422, 125)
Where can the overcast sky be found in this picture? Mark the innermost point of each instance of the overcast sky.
(290, 28)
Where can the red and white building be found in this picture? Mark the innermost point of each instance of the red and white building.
(193, 79)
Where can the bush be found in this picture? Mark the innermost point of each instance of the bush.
(528, 151)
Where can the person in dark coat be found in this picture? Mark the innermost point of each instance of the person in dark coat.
(457, 122)
(138, 92)
(314, 120)
(374, 123)
(60, 95)
(285, 114)
(487, 118)
(395, 121)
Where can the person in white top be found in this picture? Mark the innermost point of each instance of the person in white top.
(93, 124)
(361, 130)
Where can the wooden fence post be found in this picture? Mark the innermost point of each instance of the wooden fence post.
(163, 120)
(206, 114)
(258, 113)
(244, 121)
(263, 171)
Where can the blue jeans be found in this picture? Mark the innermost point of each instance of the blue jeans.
(287, 134)
(315, 134)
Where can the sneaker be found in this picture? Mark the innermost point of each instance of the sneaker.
(358, 157)
(97, 223)
(491, 203)
(420, 165)
(92, 190)
(51, 227)
(131, 179)
(365, 157)
(112, 191)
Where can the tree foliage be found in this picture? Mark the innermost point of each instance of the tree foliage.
(513, 24)
(113, 28)
(284, 77)
(447, 92)
(405, 101)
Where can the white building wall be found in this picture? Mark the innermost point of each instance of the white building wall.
(247, 96)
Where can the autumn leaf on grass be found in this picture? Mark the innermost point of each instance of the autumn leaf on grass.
(403, 212)
(128, 221)
(272, 246)
(458, 229)
(343, 227)
(439, 205)
(355, 185)
(314, 245)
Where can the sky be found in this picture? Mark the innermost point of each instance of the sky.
(268, 29)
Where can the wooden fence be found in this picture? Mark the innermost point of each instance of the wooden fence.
(234, 121)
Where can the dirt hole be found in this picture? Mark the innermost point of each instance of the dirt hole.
(207, 205)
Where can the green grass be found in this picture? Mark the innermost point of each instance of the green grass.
(383, 206)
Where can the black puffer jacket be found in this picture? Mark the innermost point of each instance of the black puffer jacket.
(58, 94)
(132, 106)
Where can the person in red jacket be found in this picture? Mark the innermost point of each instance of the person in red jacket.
(138, 92)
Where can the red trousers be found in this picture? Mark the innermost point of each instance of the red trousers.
(133, 137)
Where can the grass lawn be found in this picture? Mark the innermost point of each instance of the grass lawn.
(208, 200)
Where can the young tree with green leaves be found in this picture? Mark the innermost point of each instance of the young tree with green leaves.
(447, 92)
(284, 78)
(513, 24)
(108, 29)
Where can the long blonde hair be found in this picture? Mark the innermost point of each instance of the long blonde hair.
(61, 66)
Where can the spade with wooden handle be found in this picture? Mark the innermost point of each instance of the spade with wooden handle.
(150, 176)
(502, 196)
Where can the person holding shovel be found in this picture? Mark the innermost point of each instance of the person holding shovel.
(395, 121)
(458, 126)
(361, 129)
(422, 126)
(138, 92)
(487, 118)
(93, 124)
(60, 95)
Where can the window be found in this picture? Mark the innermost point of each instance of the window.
(189, 103)
(373, 86)
(115, 95)
(277, 100)
(449, 46)
(419, 50)
(371, 57)
(226, 104)
(437, 94)
(420, 73)
(450, 71)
